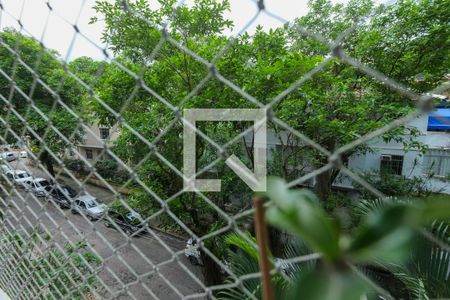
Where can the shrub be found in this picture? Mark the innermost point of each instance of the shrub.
(109, 169)
(106, 167)
(121, 175)
(395, 185)
(76, 165)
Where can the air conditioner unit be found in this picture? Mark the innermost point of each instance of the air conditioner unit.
(385, 157)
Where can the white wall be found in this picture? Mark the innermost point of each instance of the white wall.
(412, 161)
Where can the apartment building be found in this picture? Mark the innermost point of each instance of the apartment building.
(434, 132)
(94, 140)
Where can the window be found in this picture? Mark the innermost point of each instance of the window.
(437, 162)
(392, 164)
(104, 133)
(89, 153)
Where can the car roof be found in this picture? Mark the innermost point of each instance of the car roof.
(20, 171)
(87, 198)
(40, 179)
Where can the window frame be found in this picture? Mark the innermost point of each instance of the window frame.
(90, 155)
(393, 165)
(437, 162)
(102, 130)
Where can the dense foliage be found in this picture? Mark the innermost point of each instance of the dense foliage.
(69, 272)
(338, 105)
(154, 76)
(39, 100)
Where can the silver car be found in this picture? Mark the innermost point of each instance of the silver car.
(8, 156)
(38, 186)
(88, 206)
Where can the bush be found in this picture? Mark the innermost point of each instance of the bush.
(395, 185)
(121, 175)
(109, 169)
(106, 167)
(76, 165)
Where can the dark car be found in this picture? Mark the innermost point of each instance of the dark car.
(61, 196)
(64, 187)
(129, 222)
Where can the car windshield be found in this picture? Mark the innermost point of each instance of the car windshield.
(23, 175)
(91, 203)
(44, 183)
(134, 218)
(70, 191)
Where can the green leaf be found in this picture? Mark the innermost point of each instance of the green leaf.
(386, 234)
(237, 240)
(328, 285)
(436, 209)
(299, 213)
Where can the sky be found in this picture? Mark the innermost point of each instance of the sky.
(55, 28)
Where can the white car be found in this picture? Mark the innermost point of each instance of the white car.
(23, 154)
(8, 156)
(39, 186)
(5, 168)
(88, 206)
(18, 177)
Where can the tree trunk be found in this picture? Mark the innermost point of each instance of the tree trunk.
(211, 271)
(276, 244)
(323, 185)
(324, 180)
(48, 162)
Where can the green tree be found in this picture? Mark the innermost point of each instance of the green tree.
(334, 108)
(406, 41)
(32, 81)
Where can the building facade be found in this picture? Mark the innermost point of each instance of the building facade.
(435, 162)
(94, 141)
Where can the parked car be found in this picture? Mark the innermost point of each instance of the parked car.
(60, 196)
(64, 188)
(39, 186)
(23, 154)
(88, 206)
(5, 168)
(8, 156)
(129, 222)
(71, 192)
(18, 177)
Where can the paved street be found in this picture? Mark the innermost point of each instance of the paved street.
(123, 267)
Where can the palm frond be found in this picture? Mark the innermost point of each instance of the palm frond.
(427, 275)
(296, 248)
(242, 243)
(431, 263)
(241, 263)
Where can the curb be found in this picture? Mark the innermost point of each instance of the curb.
(173, 235)
(96, 182)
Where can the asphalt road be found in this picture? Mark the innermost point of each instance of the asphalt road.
(146, 267)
